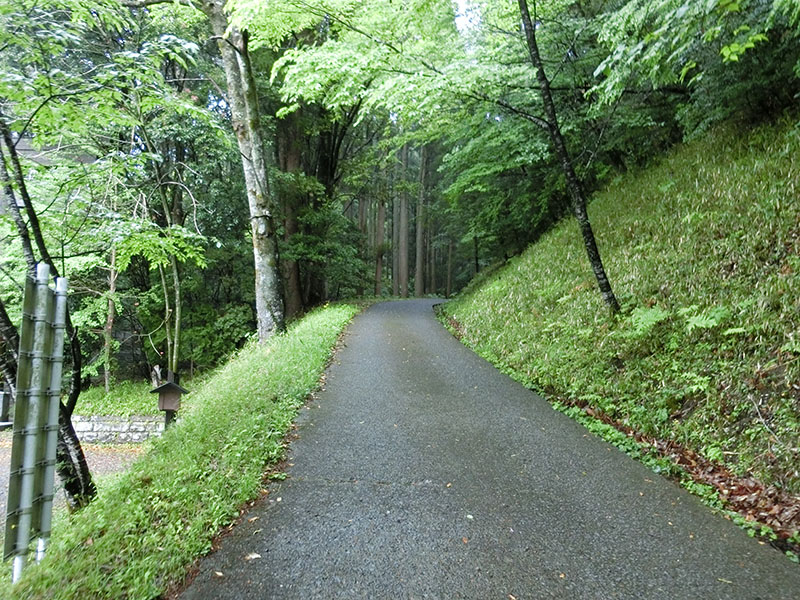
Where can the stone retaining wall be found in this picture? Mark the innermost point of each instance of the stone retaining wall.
(117, 430)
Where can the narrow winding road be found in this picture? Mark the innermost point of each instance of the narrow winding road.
(422, 472)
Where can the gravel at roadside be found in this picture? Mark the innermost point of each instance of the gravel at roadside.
(103, 459)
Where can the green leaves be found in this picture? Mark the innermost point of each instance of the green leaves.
(733, 51)
(790, 8)
(657, 42)
(158, 246)
(706, 319)
(644, 319)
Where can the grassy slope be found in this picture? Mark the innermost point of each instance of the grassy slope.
(126, 398)
(704, 252)
(147, 526)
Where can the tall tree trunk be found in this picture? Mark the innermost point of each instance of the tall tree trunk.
(475, 248)
(289, 161)
(307, 285)
(567, 167)
(167, 317)
(449, 289)
(370, 224)
(291, 268)
(395, 245)
(432, 264)
(9, 349)
(176, 317)
(246, 121)
(173, 215)
(403, 230)
(379, 247)
(364, 244)
(419, 267)
(71, 465)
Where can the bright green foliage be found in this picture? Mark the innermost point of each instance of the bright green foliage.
(158, 245)
(271, 22)
(131, 98)
(471, 86)
(790, 8)
(703, 249)
(673, 41)
(37, 39)
(392, 55)
(330, 250)
(493, 175)
(146, 528)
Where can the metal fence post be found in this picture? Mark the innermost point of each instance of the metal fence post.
(30, 489)
(58, 326)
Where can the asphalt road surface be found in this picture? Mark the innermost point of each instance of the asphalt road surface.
(423, 472)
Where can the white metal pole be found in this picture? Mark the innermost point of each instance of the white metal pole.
(54, 398)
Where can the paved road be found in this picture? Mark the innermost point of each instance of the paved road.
(422, 472)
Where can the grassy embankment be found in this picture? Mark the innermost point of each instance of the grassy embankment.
(703, 250)
(147, 526)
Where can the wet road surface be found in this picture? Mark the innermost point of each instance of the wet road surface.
(422, 472)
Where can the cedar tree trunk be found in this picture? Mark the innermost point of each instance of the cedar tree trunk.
(246, 121)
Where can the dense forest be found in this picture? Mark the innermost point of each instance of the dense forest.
(204, 172)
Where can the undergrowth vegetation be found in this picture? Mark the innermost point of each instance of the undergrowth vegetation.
(704, 252)
(125, 398)
(147, 526)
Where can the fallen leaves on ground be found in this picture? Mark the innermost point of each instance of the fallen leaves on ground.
(756, 502)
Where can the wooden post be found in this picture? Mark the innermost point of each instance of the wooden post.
(5, 407)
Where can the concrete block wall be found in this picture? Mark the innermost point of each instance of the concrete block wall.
(117, 430)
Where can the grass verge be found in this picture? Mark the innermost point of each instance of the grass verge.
(152, 522)
(704, 252)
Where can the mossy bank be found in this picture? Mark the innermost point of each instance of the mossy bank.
(703, 250)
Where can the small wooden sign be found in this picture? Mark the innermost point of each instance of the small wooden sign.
(169, 396)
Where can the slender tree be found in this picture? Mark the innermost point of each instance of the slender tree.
(71, 462)
(419, 225)
(246, 119)
(379, 244)
(395, 238)
(242, 97)
(403, 229)
(550, 123)
(449, 288)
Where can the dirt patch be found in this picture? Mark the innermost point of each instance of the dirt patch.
(103, 460)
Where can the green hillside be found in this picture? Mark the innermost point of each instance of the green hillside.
(704, 252)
